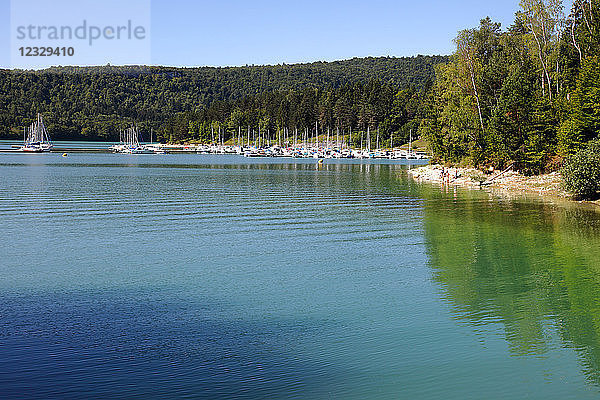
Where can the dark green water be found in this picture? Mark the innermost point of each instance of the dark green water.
(221, 277)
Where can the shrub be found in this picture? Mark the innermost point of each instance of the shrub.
(581, 171)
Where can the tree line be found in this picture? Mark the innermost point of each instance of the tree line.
(349, 110)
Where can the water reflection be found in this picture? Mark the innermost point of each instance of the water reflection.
(532, 267)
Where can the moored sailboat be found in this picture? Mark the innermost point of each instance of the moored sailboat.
(129, 143)
(36, 138)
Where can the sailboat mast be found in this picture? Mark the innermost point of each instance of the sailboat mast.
(350, 138)
(361, 141)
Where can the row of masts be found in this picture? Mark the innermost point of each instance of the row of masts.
(129, 137)
(284, 137)
(36, 133)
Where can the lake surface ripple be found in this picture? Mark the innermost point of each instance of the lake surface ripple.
(219, 277)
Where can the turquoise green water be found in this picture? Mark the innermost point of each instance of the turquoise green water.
(222, 277)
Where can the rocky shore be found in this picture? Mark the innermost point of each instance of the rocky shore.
(544, 185)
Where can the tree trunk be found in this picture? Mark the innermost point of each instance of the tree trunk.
(542, 61)
(472, 71)
(575, 41)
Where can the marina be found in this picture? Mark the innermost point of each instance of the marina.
(36, 140)
(317, 152)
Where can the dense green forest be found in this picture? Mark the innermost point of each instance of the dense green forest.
(528, 95)
(185, 103)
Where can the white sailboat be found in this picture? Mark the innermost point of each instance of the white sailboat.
(36, 138)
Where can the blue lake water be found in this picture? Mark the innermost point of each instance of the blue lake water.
(220, 277)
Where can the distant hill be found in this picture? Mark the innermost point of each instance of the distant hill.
(87, 102)
(248, 80)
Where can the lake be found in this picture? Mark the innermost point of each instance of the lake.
(221, 277)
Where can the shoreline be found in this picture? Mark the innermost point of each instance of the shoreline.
(548, 186)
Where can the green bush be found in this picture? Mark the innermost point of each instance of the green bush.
(581, 171)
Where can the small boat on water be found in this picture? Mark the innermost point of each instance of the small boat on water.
(36, 138)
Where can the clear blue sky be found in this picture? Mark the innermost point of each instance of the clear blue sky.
(236, 32)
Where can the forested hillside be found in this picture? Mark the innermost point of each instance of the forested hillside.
(95, 102)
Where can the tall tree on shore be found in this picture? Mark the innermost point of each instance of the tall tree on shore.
(584, 27)
(469, 67)
(583, 122)
(544, 20)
